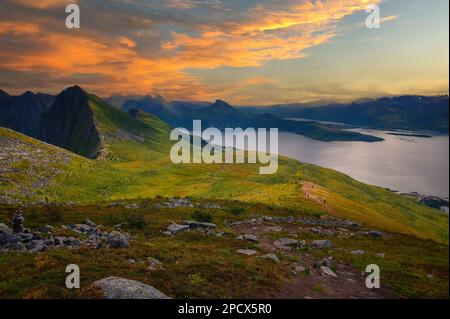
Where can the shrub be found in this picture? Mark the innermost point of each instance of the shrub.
(53, 212)
(135, 220)
(200, 216)
(237, 210)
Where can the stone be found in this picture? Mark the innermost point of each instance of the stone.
(46, 229)
(250, 237)
(324, 243)
(195, 224)
(357, 252)
(5, 229)
(247, 252)
(283, 242)
(90, 223)
(175, 228)
(328, 262)
(299, 269)
(374, 234)
(381, 255)
(121, 288)
(272, 257)
(154, 264)
(326, 271)
(116, 240)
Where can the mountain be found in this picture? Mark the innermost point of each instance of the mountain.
(21, 113)
(77, 121)
(222, 115)
(69, 123)
(409, 112)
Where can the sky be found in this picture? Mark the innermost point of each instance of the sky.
(247, 52)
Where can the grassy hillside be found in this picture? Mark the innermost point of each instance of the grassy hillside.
(135, 172)
(137, 165)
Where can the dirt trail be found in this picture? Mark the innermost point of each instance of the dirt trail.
(310, 191)
(311, 284)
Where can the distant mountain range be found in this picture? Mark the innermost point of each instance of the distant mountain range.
(80, 122)
(408, 112)
(222, 115)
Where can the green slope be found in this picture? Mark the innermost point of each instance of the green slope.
(136, 164)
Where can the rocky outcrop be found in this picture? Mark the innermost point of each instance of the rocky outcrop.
(121, 288)
(69, 123)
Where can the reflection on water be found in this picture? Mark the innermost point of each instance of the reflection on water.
(403, 163)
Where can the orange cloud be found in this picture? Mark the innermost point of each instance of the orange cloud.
(266, 33)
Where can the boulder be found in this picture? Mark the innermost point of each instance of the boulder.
(247, 252)
(323, 243)
(121, 288)
(272, 257)
(5, 229)
(250, 237)
(195, 224)
(116, 240)
(175, 228)
(46, 229)
(326, 271)
(285, 242)
(154, 264)
(374, 233)
(328, 262)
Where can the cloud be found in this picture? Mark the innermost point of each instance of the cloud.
(135, 46)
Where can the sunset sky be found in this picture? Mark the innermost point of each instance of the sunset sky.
(242, 51)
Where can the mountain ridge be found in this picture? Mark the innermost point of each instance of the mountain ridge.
(406, 112)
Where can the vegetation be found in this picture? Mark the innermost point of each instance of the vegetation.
(135, 167)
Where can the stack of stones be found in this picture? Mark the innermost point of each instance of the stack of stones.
(21, 239)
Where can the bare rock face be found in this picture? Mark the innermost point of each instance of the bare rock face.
(69, 123)
(121, 288)
(21, 113)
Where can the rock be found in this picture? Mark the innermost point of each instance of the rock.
(381, 255)
(326, 271)
(374, 233)
(324, 243)
(328, 262)
(247, 252)
(117, 240)
(299, 269)
(250, 237)
(175, 228)
(19, 247)
(284, 242)
(5, 229)
(119, 226)
(154, 264)
(121, 288)
(357, 252)
(131, 261)
(47, 229)
(195, 224)
(272, 257)
(90, 223)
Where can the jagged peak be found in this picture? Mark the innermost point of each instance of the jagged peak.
(221, 104)
(75, 89)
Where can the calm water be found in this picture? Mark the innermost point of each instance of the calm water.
(403, 163)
